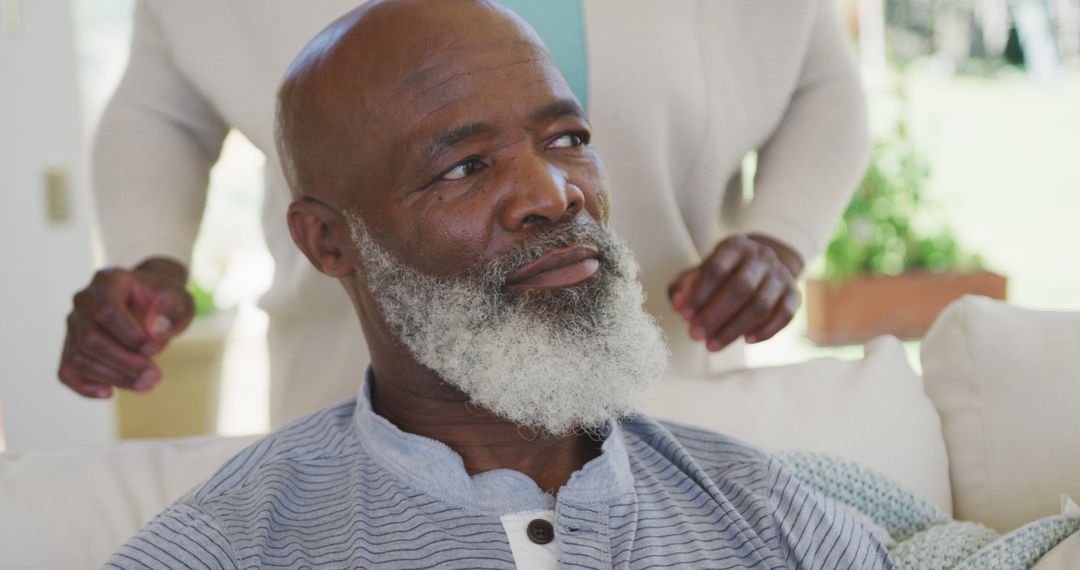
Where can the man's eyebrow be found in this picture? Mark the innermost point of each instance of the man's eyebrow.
(560, 108)
(446, 140)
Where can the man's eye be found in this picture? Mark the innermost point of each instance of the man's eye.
(570, 140)
(463, 170)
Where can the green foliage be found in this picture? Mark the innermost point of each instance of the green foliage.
(882, 232)
(204, 299)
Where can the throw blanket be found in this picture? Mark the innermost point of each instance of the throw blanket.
(919, 536)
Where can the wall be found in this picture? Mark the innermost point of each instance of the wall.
(42, 263)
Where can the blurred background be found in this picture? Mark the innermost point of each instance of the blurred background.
(974, 185)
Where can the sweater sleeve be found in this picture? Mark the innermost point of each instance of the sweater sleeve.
(153, 151)
(809, 167)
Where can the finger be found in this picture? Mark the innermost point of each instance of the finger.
(69, 378)
(110, 298)
(92, 341)
(83, 387)
(751, 315)
(783, 314)
(102, 347)
(715, 271)
(169, 314)
(167, 317)
(729, 299)
(679, 291)
(90, 369)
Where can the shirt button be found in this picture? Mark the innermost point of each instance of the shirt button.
(540, 531)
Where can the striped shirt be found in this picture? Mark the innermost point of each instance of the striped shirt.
(344, 488)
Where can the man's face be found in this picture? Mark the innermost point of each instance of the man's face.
(472, 155)
(478, 216)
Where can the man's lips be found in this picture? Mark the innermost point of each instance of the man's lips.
(558, 268)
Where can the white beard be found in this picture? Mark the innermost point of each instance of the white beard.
(556, 362)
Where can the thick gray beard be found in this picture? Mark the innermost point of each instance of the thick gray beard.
(563, 361)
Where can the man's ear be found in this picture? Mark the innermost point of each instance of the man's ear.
(323, 237)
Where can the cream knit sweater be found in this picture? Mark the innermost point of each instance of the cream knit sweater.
(681, 91)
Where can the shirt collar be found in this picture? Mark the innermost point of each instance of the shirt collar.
(431, 466)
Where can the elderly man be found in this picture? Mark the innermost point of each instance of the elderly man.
(442, 173)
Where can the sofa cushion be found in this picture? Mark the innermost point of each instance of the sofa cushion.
(74, 508)
(1065, 556)
(871, 411)
(1006, 382)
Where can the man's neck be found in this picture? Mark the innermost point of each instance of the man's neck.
(420, 403)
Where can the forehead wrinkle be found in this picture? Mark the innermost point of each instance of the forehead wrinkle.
(443, 105)
(565, 107)
(444, 96)
(444, 141)
(422, 75)
(448, 83)
(438, 57)
(447, 96)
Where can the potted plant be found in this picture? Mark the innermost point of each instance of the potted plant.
(185, 402)
(893, 266)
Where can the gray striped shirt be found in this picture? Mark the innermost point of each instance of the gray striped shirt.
(344, 488)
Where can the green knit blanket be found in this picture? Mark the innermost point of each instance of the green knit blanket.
(917, 534)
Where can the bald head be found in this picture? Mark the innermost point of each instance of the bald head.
(370, 71)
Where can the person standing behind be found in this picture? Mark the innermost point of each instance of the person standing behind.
(683, 90)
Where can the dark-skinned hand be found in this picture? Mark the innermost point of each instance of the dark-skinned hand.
(745, 288)
(119, 322)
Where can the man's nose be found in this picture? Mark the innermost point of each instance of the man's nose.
(539, 193)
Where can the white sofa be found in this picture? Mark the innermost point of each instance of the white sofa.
(991, 434)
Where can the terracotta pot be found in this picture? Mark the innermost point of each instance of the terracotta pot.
(185, 402)
(859, 309)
